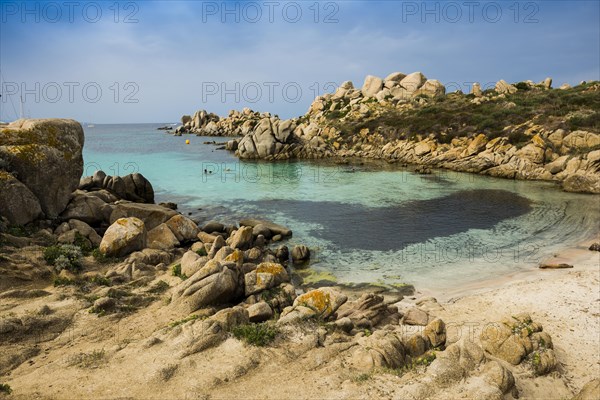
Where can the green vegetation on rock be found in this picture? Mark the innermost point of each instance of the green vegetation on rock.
(256, 334)
(189, 318)
(455, 115)
(176, 271)
(103, 258)
(4, 388)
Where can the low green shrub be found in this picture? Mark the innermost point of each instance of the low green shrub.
(64, 256)
(83, 243)
(4, 388)
(256, 334)
(522, 86)
(18, 230)
(102, 258)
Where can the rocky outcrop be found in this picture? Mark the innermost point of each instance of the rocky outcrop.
(151, 214)
(215, 283)
(241, 238)
(237, 123)
(266, 276)
(582, 183)
(133, 187)
(87, 208)
(372, 86)
(319, 303)
(527, 151)
(71, 231)
(183, 228)
(382, 349)
(518, 337)
(275, 139)
(41, 163)
(300, 254)
(504, 87)
(124, 236)
(269, 138)
(273, 229)
(368, 311)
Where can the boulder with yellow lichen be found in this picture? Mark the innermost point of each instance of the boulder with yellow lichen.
(45, 156)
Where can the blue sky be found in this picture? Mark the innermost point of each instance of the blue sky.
(153, 61)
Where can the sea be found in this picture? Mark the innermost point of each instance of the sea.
(364, 221)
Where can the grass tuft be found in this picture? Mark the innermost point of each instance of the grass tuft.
(176, 271)
(4, 388)
(256, 334)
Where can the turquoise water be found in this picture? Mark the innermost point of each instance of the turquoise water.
(369, 222)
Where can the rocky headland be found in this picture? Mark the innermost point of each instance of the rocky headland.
(524, 130)
(104, 293)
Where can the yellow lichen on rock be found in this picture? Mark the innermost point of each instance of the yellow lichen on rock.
(316, 300)
(235, 257)
(270, 268)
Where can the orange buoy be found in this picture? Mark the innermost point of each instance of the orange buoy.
(187, 141)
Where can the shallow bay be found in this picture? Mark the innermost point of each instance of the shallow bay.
(365, 221)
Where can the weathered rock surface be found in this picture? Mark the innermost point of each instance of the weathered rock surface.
(300, 254)
(191, 262)
(372, 86)
(582, 183)
(133, 187)
(368, 311)
(382, 349)
(265, 276)
(318, 303)
(504, 87)
(17, 203)
(68, 233)
(416, 316)
(151, 214)
(241, 239)
(183, 228)
(591, 391)
(162, 238)
(518, 337)
(214, 283)
(259, 312)
(124, 236)
(274, 228)
(267, 140)
(87, 208)
(45, 155)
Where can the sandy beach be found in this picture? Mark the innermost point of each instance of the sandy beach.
(565, 301)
